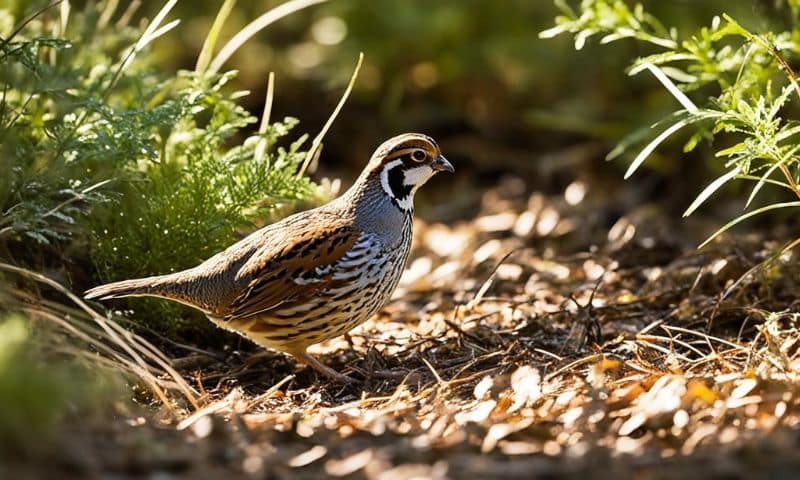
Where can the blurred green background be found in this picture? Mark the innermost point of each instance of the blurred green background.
(476, 76)
(473, 73)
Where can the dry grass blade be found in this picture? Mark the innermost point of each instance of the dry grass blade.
(261, 147)
(574, 365)
(108, 11)
(210, 42)
(704, 336)
(131, 351)
(212, 408)
(254, 27)
(153, 31)
(127, 15)
(759, 266)
(488, 282)
(315, 145)
(115, 359)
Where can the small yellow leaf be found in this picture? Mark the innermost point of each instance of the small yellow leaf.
(610, 364)
(700, 391)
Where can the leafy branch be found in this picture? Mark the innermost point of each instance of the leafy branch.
(754, 83)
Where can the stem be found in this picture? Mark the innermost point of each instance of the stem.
(790, 179)
(785, 171)
(786, 69)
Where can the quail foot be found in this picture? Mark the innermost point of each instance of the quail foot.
(314, 275)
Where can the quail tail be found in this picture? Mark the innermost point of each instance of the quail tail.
(126, 288)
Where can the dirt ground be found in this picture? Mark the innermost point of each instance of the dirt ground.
(535, 340)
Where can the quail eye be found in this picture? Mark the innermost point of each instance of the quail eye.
(418, 155)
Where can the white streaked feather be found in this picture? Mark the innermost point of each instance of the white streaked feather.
(364, 250)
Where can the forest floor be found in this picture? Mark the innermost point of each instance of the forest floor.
(529, 341)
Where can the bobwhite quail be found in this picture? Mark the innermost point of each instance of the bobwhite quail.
(314, 275)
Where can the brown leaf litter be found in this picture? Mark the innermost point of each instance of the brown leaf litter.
(505, 353)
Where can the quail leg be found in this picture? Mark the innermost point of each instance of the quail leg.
(312, 362)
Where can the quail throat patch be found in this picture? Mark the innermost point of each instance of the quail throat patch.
(400, 181)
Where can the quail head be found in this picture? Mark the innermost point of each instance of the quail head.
(314, 275)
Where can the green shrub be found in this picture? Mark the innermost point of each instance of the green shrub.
(187, 201)
(749, 74)
(52, 82)
(152, 172)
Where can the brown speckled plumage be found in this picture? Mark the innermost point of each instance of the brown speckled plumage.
(316, 274)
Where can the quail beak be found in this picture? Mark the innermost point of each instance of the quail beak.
(442, 165)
